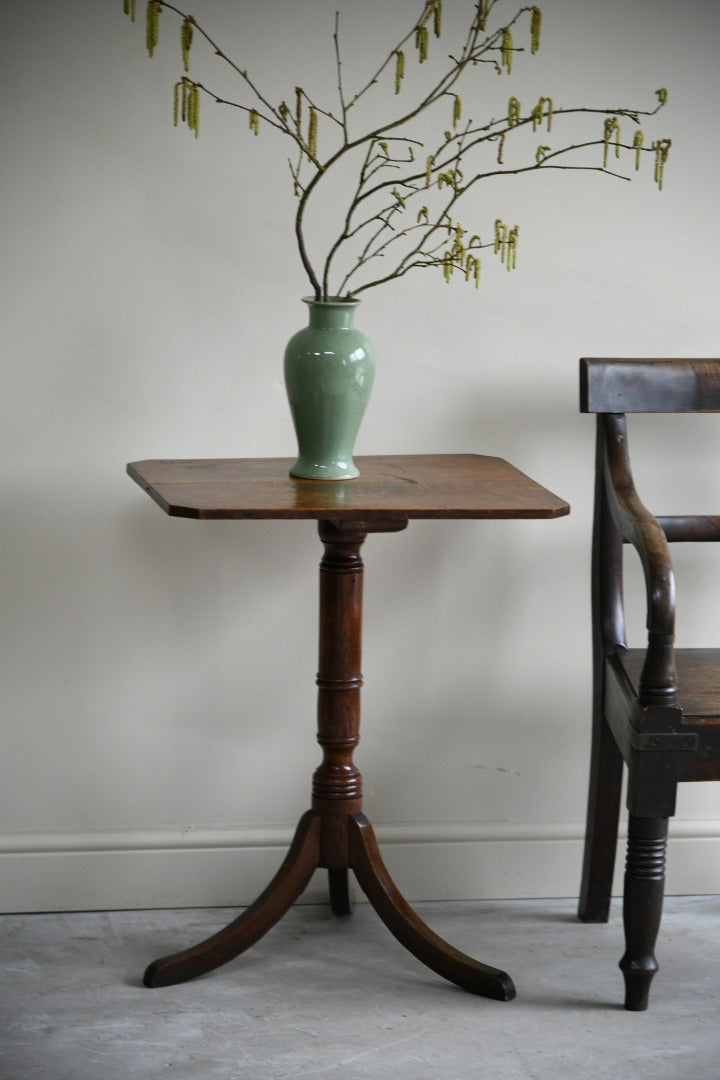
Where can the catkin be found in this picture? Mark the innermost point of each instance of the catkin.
(546, 104)
(535, 28)
(611, 125)
(472, 266)
(186, 36)
(399, 69)
(194, 109)
(512, 247)
(506, 242)
(186, 103)
(421, 42)
(507, 49)
(152, 25)
(312, 133)
(437, 18)
(540, 111)
(662, 149)
(500, 238)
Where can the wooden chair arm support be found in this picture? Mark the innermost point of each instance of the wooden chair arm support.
(642, 529)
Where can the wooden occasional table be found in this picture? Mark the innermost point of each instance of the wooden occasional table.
(334, 833)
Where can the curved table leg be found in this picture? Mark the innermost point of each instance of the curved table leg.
(339, 892)
(290, 880)
(409, 928)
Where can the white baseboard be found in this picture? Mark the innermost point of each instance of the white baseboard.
(230, 867)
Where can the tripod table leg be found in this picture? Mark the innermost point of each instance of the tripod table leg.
(290, 880)
(409, 928)
(339, 892)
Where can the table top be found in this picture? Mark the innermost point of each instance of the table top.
(394, 487)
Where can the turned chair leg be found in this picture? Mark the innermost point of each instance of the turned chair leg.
(642, 906)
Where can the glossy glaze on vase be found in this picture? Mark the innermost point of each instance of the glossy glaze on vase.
(329, 370)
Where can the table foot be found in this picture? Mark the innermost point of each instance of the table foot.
(284, 889)
(339, 892)
(408, 927)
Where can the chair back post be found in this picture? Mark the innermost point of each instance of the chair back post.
(608, 617)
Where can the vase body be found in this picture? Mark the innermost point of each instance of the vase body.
(329, 371)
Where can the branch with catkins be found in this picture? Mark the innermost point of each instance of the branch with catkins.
(400, 214)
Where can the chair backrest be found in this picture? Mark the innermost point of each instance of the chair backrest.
(611, 388)
(652, 386)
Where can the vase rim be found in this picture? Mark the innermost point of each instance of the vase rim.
(332, 301)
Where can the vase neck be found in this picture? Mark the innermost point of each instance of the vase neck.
(331, 314)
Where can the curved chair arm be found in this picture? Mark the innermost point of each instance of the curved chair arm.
(645, 533)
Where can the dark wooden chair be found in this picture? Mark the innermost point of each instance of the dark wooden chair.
(656, 708)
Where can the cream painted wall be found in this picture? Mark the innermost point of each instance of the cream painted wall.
(158, 675)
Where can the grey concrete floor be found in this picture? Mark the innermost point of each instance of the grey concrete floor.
(321, 997)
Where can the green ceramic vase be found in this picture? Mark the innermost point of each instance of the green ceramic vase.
(329, 370)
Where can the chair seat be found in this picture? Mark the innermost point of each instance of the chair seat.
(698, 672)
